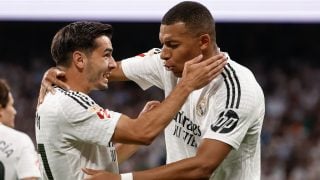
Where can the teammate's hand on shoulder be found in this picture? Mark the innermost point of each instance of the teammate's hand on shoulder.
(51, 78)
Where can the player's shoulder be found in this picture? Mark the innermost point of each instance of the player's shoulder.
(77, 99)
(153, 53)
(58, 95)
(239, 75)
(15, 135)
(67, 99)
(237, 69)
(239, 87)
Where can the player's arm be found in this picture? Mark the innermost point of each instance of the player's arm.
(125, 151)
(30, 178)
(54, 76)
(147, 126)
(209, 156)
(118, 74)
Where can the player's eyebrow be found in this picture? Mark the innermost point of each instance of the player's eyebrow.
(108, 50)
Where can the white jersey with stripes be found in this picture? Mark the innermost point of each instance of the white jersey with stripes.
(73, 132)
(18, 158)
(229, 109)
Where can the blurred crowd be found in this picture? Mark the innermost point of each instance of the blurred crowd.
(291, 132)
(290, 136)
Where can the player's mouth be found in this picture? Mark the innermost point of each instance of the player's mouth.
(106, 76)
(169, 68)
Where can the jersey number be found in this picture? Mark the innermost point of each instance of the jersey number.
(2, 171)
(43, 155)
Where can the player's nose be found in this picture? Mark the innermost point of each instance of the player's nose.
(113, 64)
(165, 53)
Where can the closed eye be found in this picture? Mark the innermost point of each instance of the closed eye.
(171, 45)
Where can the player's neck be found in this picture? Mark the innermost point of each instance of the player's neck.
(76, 80)
(211, 51)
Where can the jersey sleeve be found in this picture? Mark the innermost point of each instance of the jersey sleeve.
(27, 162)
(233, 111)
(145, 69)
(88, 122)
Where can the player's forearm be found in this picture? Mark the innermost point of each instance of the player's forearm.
(210, 154)
(125, 151)
(153, 122)
(30, 178)
(187, 169)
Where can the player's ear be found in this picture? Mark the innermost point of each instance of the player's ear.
(205, 41)
(79, 59)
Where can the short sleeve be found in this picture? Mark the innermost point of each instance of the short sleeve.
(27, 162)
(145, 69)
(228, 122)
(91, 124)
(229, 126)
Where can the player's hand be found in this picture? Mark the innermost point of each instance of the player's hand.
(199, 72)
(149, 106)
(100, 175)
(50, 77)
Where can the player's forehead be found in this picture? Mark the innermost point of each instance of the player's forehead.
(103, 43)
(173, 32)
(11, 100)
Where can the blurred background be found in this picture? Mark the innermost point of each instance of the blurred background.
(282, 51)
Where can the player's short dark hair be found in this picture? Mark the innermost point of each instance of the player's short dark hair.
(197, 18)
(77, 36)
(4, 93)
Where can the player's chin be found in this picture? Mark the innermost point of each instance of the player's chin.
(10, 124)
(102, 86)
(177, 74)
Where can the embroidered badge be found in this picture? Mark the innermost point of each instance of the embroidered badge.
(202, 106)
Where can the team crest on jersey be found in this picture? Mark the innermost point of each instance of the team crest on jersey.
(101, 113)
(202, 106)
(226, 122)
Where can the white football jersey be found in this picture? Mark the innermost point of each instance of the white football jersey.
(73, 132)
(18, 158)
(229, 109)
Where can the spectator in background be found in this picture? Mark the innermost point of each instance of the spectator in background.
(18, 159)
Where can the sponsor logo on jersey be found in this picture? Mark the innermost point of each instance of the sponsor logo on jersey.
(226, 122)
(186, 129)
